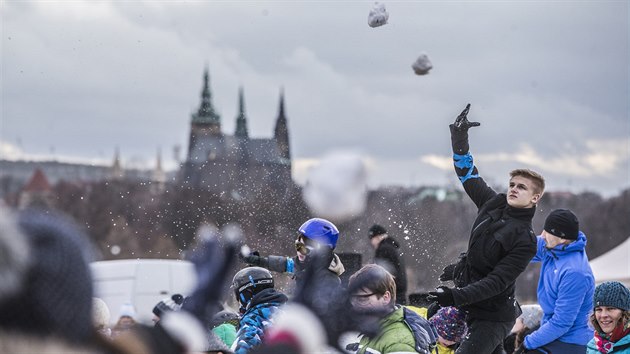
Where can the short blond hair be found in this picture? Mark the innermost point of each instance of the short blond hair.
(535, 177)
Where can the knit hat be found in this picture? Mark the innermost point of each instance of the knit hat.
(450, 323)
(225, 316)
(173, 303)
(55, 295)
(100, 313)
(215, 344)
(127, 310)
(613, 294)
(562, 223)
(376, 230)
(531, 316)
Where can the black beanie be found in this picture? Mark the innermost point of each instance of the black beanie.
(376, 230)
(173, 303)
(562, 223)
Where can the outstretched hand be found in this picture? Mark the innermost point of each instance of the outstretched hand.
(461, 122)
(212, 263)
(254, 259)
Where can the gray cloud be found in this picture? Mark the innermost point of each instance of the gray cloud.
(85, 77)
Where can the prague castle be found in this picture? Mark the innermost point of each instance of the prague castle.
(237, 164)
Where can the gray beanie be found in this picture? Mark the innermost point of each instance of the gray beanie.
(55, 296)
(531, 316)
(613, 294)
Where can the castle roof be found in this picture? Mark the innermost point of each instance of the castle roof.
(38, 182)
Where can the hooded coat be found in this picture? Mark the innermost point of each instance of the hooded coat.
(388, 255)
(565, 294)
(256, 319)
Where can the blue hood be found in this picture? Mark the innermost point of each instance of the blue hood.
(565, 293)
(563, 250)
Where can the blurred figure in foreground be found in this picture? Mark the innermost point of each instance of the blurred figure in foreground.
(46, 295)
(172, 303)
(45, 285)
(126, 320)
(100, 317)
(611, 319)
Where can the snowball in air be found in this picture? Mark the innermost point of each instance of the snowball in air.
(336, 189)
(422, 65)
(378, 15)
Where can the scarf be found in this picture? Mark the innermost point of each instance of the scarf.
(605, 342)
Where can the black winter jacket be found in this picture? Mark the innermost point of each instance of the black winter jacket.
(500, 247)
(388, 255)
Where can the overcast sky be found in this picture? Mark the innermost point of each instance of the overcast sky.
(547, 80)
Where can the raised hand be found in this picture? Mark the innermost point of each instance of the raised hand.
(461, 122)
(212, 263)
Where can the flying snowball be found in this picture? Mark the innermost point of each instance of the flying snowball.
(378, 15)
(336, 189)
(422, 65)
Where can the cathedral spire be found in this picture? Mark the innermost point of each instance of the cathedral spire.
(116, 171)
(241, 119)
(206, 113)
(281, 132)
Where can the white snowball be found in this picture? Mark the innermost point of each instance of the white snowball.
(378, 15)
(336, 189)
(422, 65)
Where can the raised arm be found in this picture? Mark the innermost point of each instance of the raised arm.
(475, 186)
(278, 264)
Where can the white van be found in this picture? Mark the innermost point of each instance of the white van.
(141, 282)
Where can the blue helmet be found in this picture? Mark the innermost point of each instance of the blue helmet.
(321, 231)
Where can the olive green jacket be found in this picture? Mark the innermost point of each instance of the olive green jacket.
(395, 337)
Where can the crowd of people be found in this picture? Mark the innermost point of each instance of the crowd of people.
(47, 304)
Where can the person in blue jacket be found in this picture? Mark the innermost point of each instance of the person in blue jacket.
(610, 319)
(258, 301)
(565, 288)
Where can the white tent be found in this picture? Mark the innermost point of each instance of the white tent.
(613, 265)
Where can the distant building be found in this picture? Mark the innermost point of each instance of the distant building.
(37, 192)
(14, 175)
(235, 164)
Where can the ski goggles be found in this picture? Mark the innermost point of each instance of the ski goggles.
(304, 245)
